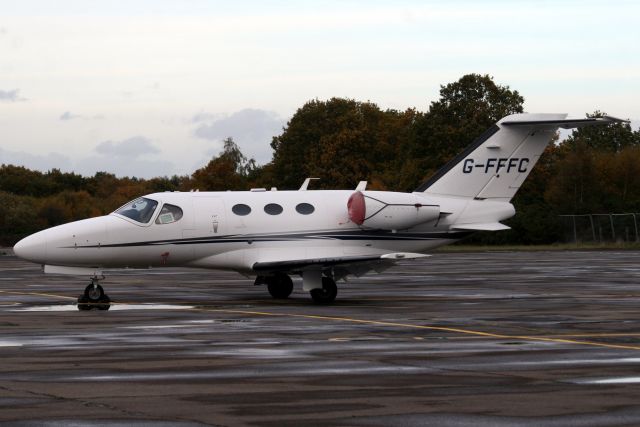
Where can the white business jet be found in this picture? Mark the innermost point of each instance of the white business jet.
(321, 235)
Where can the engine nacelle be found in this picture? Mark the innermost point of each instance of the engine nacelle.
(390, 211)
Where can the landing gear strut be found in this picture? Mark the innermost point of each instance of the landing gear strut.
(94, 297)
(280, 285)
(327, 294)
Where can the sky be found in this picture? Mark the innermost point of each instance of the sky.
(151, 87)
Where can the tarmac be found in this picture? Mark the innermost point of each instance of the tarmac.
(458, 339)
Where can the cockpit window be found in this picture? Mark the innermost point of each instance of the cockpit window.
(169, 214)
(140, 210)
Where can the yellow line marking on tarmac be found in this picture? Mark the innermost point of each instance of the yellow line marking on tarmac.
(428, 327)
(550, 338)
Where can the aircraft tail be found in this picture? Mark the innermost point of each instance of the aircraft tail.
(496, 164)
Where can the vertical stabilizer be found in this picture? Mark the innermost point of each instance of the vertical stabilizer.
(496, 164)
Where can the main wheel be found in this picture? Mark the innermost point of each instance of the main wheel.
(280, 286)
(94, 293)
(327, 294)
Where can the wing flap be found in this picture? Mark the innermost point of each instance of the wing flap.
(344, 261)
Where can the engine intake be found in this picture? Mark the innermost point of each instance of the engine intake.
(398, 211)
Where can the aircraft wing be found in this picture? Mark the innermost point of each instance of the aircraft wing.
(487, 226)
(357, 264)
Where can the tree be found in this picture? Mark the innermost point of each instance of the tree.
(597, 170)
(340, 141)
(466, 108)
(613, 137)
(229, 171)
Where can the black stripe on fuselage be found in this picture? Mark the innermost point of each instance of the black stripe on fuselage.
(246, 238)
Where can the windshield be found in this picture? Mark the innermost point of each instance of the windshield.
(140, 210)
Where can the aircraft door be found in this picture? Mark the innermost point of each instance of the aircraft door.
(210, 218)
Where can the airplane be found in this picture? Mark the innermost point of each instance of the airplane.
(321, 235)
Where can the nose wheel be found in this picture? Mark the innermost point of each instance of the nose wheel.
(94, 297)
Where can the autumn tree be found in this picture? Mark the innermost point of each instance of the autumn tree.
(229, 171)
(465, 109)
(597, 170)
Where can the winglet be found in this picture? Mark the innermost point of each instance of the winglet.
(305, 184)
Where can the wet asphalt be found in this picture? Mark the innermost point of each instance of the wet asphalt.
(461, 339)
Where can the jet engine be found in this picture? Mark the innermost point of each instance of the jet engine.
(390, 211)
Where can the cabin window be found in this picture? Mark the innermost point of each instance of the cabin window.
(169, 214)
(140, 210)
(273, 209)
(305, 209)
(241, 209)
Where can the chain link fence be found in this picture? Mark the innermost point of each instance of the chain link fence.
(601, 228)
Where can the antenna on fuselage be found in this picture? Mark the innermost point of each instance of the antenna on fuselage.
(362, 185)
(305, 184)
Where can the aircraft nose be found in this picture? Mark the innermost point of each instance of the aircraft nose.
(32, 248)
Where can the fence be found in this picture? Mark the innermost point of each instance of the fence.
(600, 228)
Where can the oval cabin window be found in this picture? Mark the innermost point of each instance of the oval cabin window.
(241, 209)
(305, 209)
(273, 209)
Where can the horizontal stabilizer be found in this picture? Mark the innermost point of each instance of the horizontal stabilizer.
(487, 226)
(565, 123)
(300, 264)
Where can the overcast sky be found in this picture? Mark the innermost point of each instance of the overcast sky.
(150, 88)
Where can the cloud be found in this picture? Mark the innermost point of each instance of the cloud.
(119, 158)
(203, 116)
(10, 95)
(68, 116)
(252, 129)
(130, 148)
(35, 161)
(140, 167)
(135, 156)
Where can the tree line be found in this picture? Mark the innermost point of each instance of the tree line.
(343, 141)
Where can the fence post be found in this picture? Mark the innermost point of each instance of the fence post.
(635, 225)
(593, 229)
(613, 230)
(575, 231)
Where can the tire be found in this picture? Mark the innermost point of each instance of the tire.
(94, 293)
(83, 303)
(327, 294)
(280, 286)
(104, 303)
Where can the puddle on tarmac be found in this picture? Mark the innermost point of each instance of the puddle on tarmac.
(114, 306)
(605, 381)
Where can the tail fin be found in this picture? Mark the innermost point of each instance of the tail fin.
(496, 164)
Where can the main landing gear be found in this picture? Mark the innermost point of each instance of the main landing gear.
(280, 286)
(94, 297)
(327, 294)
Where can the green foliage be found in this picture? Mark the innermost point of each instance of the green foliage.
(229, 171)
(466, 109)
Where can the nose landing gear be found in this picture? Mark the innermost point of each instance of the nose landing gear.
(94, 297)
